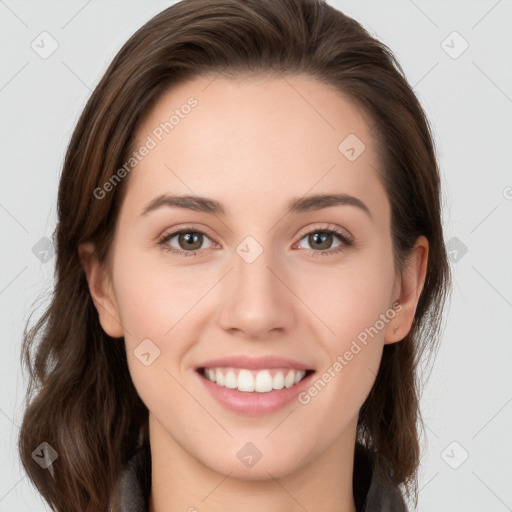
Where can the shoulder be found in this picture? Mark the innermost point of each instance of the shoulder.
(373, 486)
(135, 482)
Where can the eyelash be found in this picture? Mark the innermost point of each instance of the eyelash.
(347, 242)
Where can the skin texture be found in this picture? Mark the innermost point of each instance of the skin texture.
(253, 144)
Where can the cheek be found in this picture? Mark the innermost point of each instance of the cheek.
(153, 297)
(353, 349)
(348, 299)
(156, 317)
(353, 304)
(160, 310)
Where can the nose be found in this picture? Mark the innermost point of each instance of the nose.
(258, 302)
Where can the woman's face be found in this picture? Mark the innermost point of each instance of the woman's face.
(257, 280)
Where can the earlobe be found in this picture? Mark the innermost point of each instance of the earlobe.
(100, 288)
(411, 286)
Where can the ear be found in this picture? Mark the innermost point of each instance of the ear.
(409, 286)
(101, 290)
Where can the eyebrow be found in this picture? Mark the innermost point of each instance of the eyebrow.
(211, 206)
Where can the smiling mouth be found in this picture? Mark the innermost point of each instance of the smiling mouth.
(254, 381)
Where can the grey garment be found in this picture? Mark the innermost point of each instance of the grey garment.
(374, 491)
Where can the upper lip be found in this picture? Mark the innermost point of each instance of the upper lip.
(254, 363)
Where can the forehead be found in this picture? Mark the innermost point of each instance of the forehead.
(254, 141)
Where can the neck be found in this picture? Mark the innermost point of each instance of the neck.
(180, 482)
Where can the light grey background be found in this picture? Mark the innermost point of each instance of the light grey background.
(468, 99)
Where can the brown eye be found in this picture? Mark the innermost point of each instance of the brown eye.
(321, 240)
(189, 242)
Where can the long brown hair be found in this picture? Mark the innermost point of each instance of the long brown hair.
(80, 398)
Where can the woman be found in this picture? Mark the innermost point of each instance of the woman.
(250, 263)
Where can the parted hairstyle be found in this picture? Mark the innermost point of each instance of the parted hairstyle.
(80, 397)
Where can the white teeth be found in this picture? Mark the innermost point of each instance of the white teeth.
(245, 381)
(260, 381)
(263, 382)
(289, 379)
(278, 381)
(230, 381)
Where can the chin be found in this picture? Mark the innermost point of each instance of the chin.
(256, 461)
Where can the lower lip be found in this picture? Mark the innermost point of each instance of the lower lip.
(254, 404)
